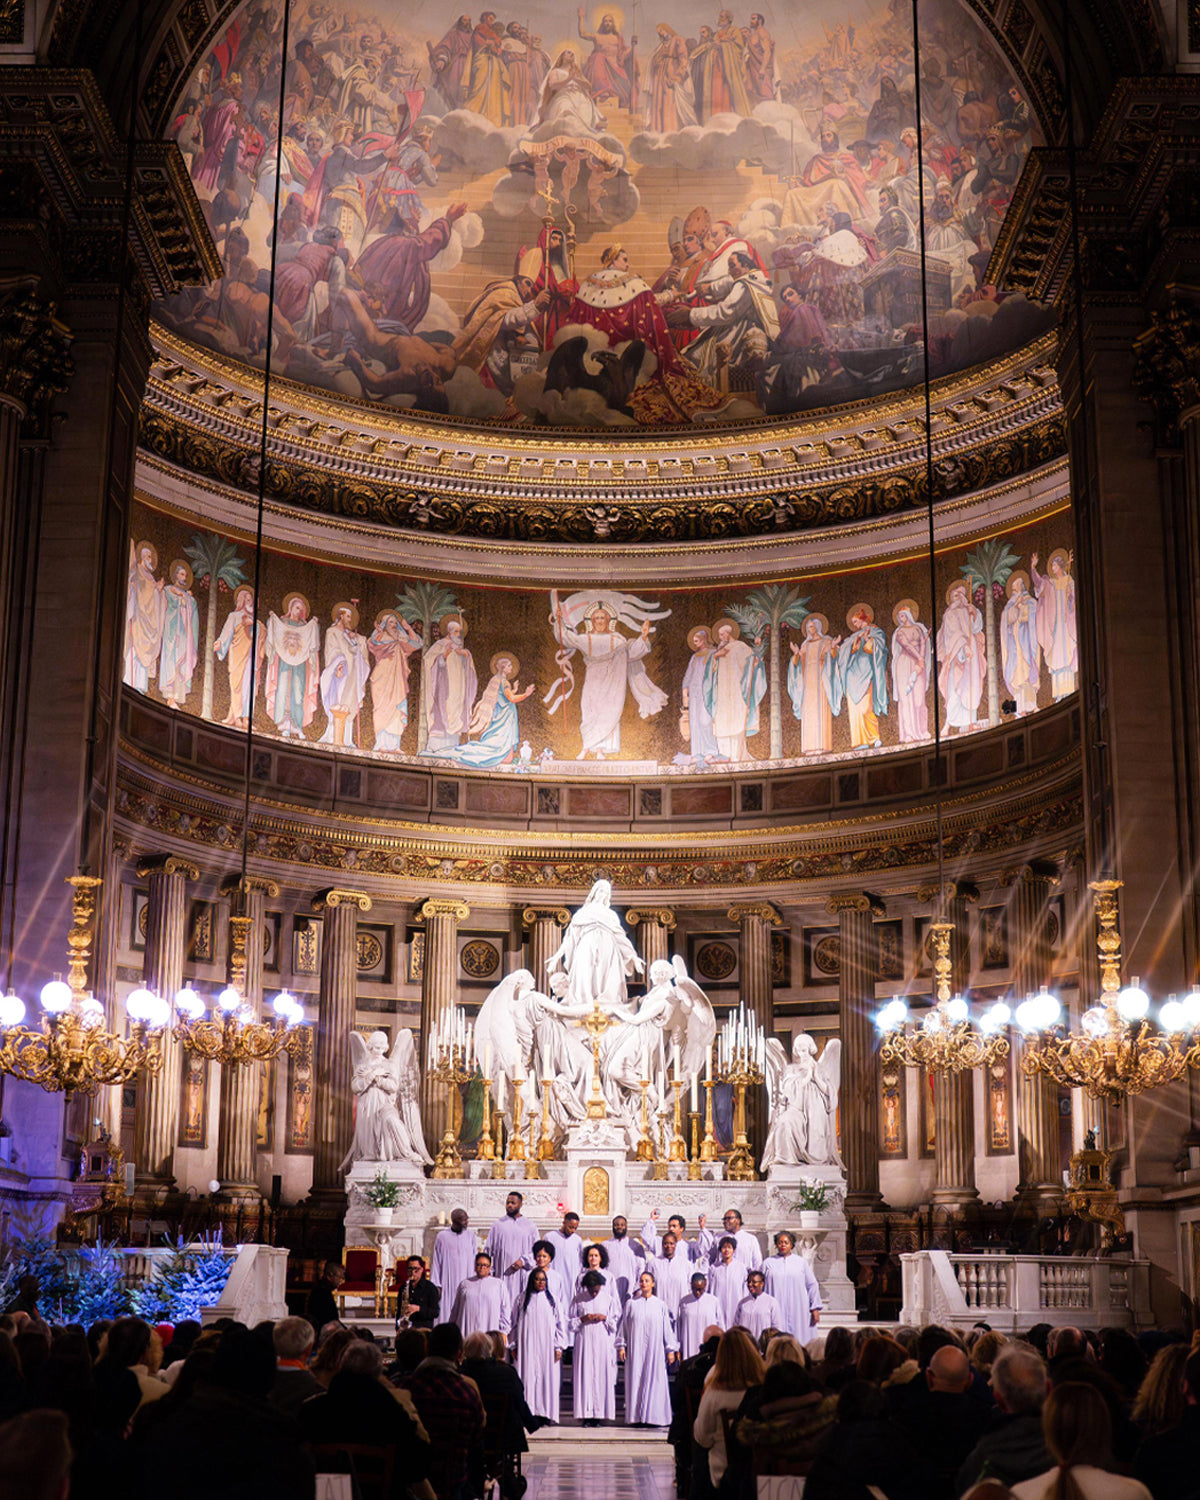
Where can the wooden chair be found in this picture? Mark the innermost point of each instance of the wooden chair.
(369, 1468)
(362, 1276)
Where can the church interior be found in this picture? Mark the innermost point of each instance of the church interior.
(636, 598)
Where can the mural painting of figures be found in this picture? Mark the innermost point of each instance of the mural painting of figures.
(392, 643)
(181, 636)
(1055, 593)
(810, 685)
(344, 680)
(962, 658)
(912, 662)
(448, 686)
(495, 720)
(860, 677)
(607, 67)
(735, 332)
(734, 685)
(672, 99)
(145, 617)
(293, 667)
(233, 646)
(696, 723)
(1020, 650)
(612, 664)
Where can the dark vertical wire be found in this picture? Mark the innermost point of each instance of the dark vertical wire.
(929, 477)
(262, 444)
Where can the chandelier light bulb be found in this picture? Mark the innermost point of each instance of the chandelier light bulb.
(892, 1016)
(56, 996)
(188, 1004)
(140, 1003)
(12, 1010)
(995, 1018)
(956, 1010)
(1027, 1014)
(932, 1022)
(1172, 1017)
(1133, 1003)
(1095, 1021)
(91, 1013)
(229, 999)
(1191, 1009)
(286, 1007)
(1048, 1009)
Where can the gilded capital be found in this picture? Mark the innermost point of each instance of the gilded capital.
(34, 362)
(336, 896)
(235, 885)
(1166, 359)
(167, 864)
(438, 907)
(855, 901)
(763, 912)
(952, 890)
(1033, 872)
(532, 915)
(663, 915)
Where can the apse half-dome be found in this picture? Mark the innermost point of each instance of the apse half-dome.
(605, 219)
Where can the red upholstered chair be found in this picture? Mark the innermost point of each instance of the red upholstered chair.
(362, 1276)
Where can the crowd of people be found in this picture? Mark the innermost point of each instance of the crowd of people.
(126, 1409)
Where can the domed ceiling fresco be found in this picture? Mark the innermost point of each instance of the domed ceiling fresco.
(661, 216)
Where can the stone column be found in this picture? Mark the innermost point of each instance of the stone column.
(238, 1113)
(439, 991)
(756, 993)
(657, 924)
(1040, 1179)
(333, 1125)
(157, 1122)
(857, 974)
(544, 924)
(954, 1094)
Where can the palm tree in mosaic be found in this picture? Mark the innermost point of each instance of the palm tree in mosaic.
(219, 568)
(424, 604)
(762, 615)
(987, 570)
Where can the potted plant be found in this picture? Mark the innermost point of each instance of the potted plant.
(383, 1195)
(812, 1201)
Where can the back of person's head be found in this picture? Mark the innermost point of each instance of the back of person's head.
(187, 1331)
(860, 1401)
(411, 1347)
(1019, 1380)
(197, 1369)
(478, 1346)
(292, 1338)
(782, 1349)
(361, 1358)
(738, 1365)
(35, 1456)
(1191, 1378)
(1067, 1343)
(878, 1358)
(1039, 1337)
(128, 1341)
(244, 1364)
(97, 1334)
(1160, 1399)
(985, 1349)
(29, 1286)
(33, 1350)
(839, 1346)
(1078, 1430)
(949, 1371)
(499, 1344)
(329, 1354)
(930, 1340)
(445, 1341)
(66, 1381)
(906, 1336)
(1121, 1358)
(785, 1381)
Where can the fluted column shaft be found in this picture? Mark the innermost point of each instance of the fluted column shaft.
(238, 1113)
(333, 1113)
(544, 925)
(858, 972)
(954, 1093)
(439, 990)
(156, 1125)
(1037, 1097)
(756, 993)
(655, 926)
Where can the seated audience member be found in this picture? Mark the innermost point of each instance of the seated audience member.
(410, 1349)
(1078, 1433)
(1125, 1437)
(331, 1345)
(865, 1448)
(359, 1408)
(785, 1421)
(880, 1361)
(322, 1304)
(836, 1367)
(1169, 1463)
(96, 1336)
(187, 1331)
(1122, 1361)
(942, 1417)
(35, 1457)
(294, 1383)
(500, 1389)
(1066, 1343)
(1160, 1401)
(686, 1391)
(13, 1396)
(450, 1407)
(984, 1351)
(32, 1344)
(1012, 1447)
(738, 1367)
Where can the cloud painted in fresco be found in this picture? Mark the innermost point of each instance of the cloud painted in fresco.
(725, 141)
(466, 140)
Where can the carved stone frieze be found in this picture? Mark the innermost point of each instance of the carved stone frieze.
(1166, 370)
(35, 364)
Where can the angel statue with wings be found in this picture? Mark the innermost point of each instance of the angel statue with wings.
(802, 1101)
(529, 1040)
(387, 1119)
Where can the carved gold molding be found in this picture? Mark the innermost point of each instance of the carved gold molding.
(336, 896)
(534, 914)
(855, 901)
(168, 864)
(663, 915)
(439, 907)
(234, 885)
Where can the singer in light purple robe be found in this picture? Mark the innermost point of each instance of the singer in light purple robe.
(592, 1327)
(625, 1259)
(758, 1310)
(727, 1279)
(697, 1311)
(510, 1244)
(746, 1247)
(454, 1252)
(647, 1345)
(568, 1247)
(793, 1284)
(672, 1270)
(538, 1338)
(481, 1302)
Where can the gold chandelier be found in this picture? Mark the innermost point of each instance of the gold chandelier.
(233, 1036)
(1119, 1050)
(74, 1051)
(945, 1041)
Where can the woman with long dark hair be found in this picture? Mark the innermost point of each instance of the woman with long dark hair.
(538, 1338)
(593, 1325)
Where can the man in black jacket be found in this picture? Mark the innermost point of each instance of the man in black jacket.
(419, 1301)
(690, 1377)
(359, 1408)
(1012, 1447)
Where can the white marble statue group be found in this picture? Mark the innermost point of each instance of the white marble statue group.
(535, 1041)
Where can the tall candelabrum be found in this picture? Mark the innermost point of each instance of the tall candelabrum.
(451, 1061)
(741, 1055)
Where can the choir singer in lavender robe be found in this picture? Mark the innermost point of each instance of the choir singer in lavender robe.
(595, 1258)
(672, 1271)
(793, 1284)
(568, 1248)
(746, 1246)
(646, 1344)
(698, 1312)
(758, 1310)
(625, 1259)
(510, 1243)
(481, 1302)
(593, 1327)
(453, 1256)
(727, 1279)
(538, 1338)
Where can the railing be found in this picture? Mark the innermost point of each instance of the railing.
(140, 1261)
(1013, 1292)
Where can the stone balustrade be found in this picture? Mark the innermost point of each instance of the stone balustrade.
(1013, 1292)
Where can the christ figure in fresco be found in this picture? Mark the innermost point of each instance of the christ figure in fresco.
(607, 67)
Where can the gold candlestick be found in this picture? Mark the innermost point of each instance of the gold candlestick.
(678, 1150)
(596, 1025)
(487, 1151)
(708, 1151)
(694, 1168)
(742, 1073)
(516, 1141)
(533, 1167)
(660, 1173)
(499, 1170)
(545, 1150)
(645, 1146)
(450, 1068)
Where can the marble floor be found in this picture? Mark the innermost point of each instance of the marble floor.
(609, 1476)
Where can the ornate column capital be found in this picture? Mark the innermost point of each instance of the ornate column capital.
(235, 885)
(663, 915)
(953, 890)
(1166, 360)
(336, 896)
(764, 911)
(534, 914)
(34, 362)
(855, 901)
(167, 864)
(1033, 872)
(437, 906)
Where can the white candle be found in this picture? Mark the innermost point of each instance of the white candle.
(695, 1093)
(487, 1059)
(708, 1066)
(646, 1063)
(675, 1060)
